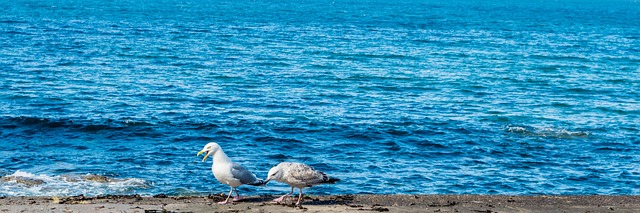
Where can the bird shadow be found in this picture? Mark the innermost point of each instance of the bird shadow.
(291, 201)
(317, 201)
(221, 197)
(260, 199)
(331, 200)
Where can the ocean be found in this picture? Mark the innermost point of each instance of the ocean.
(392, 97)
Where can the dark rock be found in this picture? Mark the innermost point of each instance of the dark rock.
(22, 180)
(379, 209)
(160, 196)
(97, 178)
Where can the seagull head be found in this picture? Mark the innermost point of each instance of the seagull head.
(275, 173)
(209, 149)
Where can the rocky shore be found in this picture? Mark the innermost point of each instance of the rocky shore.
(335, 203)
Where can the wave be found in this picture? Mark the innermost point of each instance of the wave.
(68, 123)
(546, 132)
(28, 184)
(75, 125)
(86, 125)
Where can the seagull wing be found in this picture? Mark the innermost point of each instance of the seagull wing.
(305, 174)
(245, 176)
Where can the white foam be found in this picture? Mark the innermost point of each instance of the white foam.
(69, 185)
(516, 129)
(561, 133)
(546, 132)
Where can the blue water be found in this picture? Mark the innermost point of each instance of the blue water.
(392, 97)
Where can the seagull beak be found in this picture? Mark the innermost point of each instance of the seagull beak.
(205, 156)
(266, 181)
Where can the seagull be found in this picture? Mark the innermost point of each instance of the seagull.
(227, 171)
(297, 175)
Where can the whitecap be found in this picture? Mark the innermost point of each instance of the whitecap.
(552, 132)
(22, 183)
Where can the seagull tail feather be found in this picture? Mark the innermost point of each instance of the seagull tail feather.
(327, 179)
(331, 180)
(258, 182)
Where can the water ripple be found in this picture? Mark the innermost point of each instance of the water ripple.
(392, 97)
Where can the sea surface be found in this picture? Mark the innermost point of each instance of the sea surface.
(392, 97)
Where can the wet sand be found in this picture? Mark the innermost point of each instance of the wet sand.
(335, 203)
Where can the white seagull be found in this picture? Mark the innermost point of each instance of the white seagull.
(227, 171)
(297, 175)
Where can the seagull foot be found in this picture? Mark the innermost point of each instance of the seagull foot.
(280, 199)
(223, 202)
(237, 198)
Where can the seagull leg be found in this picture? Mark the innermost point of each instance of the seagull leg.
(299, 198)
(237, 198)
(227, 200)
(280, 199)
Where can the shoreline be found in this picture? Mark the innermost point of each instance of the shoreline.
(328, 203)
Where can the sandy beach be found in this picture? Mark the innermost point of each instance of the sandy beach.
(335, 203)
